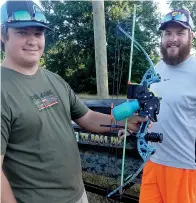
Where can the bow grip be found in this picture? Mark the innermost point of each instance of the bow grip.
(125, 110)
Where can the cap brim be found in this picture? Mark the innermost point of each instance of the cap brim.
(162, 27)
(28, 24)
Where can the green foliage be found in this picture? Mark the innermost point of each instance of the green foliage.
(2, 56)
(70, 48)
(145, 34)
(70, 51)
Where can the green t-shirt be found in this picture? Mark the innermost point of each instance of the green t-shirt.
(42, 160)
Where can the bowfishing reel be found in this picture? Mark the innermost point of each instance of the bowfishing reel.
(148, 102)
(143, 102)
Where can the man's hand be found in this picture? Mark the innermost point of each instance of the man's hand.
(133, 126)
(134, 122)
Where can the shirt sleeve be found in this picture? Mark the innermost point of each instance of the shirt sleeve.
(5, 125)
(78, 108)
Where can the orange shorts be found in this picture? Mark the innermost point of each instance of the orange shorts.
(163, 184)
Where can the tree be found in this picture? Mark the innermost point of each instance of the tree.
(70, 51)
(146, 33)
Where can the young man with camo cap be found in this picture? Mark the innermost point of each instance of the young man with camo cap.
(39, 153)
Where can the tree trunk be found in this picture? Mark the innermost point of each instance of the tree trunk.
(100, 48)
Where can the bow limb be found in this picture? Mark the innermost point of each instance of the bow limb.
(138, 46)
(151, 75)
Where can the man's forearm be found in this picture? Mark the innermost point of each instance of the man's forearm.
(92, 121)
(7, 195)
(98, 119)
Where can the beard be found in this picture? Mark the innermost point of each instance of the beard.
(183, 53)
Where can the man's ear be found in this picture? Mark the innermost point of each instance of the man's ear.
(4, 34)
(2, 39)
(192, 35)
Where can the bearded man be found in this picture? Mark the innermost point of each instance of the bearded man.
(170, 175)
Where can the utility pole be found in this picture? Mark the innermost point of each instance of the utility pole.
(100, 48)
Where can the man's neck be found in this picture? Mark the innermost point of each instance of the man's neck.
(27, 69)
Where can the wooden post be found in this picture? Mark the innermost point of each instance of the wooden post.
(100, 48)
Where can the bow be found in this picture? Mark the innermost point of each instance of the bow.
(146, 104)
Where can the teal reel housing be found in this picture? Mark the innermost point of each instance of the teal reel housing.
(125, 110)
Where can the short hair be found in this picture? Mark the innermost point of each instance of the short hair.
(4, 32)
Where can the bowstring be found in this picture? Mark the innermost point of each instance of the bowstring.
(117, 75)
(116, 66)
(126, 120)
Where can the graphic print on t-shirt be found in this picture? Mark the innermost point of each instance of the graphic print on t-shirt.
(44, 100)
